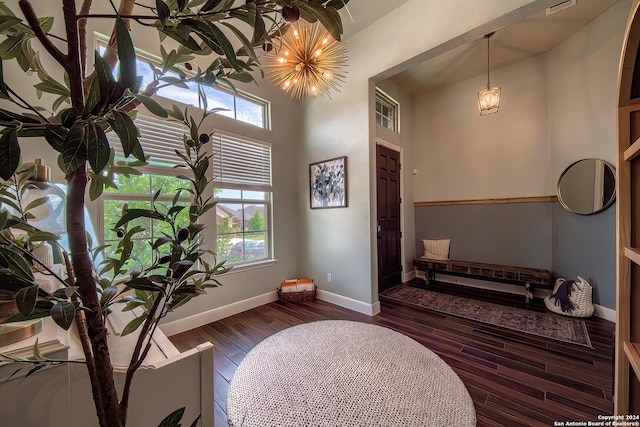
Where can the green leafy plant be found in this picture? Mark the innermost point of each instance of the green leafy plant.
(87, 106)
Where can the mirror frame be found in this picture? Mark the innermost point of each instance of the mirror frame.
(612, 199)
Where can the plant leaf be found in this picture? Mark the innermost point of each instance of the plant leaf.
(210, 4)
(132, 214)
(55, 136)
(153, 106)
(108, 294)
(173, 419)
(26, 299)
(163, 12)
(187, 41)
(128, 133)
(16, 263)
(126, 54)
(134, 324)
(74, 153)
(93, 98)
(98, 147)
(9, 153)
(62, 313)
(6, 22)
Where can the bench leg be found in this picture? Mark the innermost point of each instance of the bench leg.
(431, 276)
(528, 295)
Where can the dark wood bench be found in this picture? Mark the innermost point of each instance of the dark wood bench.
(529, 277)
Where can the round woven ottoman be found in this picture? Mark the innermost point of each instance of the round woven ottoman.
(342, 373)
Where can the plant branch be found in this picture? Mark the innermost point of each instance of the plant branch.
(137, 357)
(83, 335)
(26, 104)
(73, 67)
(34, 23)
(82, 34)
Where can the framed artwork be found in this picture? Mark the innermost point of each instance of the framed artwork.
(328, 183)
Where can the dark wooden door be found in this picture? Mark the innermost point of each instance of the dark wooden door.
(388, 228)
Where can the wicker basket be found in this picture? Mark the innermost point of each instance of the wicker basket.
(302, 296)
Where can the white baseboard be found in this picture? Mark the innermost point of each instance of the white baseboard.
(213, 315)
(604, 313)
(350, 303)
(409, 275)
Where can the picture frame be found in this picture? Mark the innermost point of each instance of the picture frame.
(328, 183)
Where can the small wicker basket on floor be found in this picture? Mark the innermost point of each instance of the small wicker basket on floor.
(302, 296)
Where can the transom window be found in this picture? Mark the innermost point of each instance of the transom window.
(239, 105)
(386, 111)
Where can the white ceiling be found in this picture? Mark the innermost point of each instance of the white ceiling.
(531, 36)
(359, 14)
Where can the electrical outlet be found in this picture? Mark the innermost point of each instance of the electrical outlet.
(329, 277)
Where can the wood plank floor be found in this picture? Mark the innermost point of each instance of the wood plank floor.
(514, 379)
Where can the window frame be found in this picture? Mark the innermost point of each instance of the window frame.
(385, 100)
(267, 202)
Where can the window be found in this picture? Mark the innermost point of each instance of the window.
(387, 111)
(242, 180)
(241, 106)
(137, 192)
(159, 140)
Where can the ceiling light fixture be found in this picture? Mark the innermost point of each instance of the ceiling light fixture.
(309, 62)
(489, 98)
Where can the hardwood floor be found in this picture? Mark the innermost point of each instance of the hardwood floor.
(514, 379)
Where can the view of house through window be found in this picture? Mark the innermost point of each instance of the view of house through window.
(241, 223)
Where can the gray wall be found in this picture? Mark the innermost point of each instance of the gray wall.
(518, 234)
(536, 235)
(585, 246)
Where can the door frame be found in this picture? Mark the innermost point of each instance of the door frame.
(399, 149)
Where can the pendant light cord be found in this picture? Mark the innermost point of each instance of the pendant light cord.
(488, 36)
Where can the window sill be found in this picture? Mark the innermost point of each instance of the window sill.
(238, 268)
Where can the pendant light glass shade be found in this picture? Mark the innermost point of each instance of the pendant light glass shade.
(489, 98)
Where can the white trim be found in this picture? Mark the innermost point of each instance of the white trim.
(604, 313)
(410, 275)
(213, 315)
(350, 303)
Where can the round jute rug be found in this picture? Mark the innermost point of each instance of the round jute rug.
(342, 373)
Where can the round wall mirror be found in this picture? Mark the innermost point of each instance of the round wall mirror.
(587, 186)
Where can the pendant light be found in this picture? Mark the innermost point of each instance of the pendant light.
(489, 98)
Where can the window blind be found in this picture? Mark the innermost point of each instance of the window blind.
(159, 140)
(242, 162)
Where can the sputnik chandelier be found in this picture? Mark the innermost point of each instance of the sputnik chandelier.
(308, 62)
